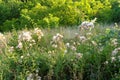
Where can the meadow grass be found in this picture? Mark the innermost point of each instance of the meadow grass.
(61, 54)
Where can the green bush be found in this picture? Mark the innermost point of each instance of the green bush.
(69, 13)
(115, 10)
(50, 21)
(4, 13)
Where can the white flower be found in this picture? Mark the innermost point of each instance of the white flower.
(67, 45)
(37, 71)
(58, 37)
(55, 38)
(2, 40)
(33, 42)
(113, 59)
(73, 48)
(24, 36)
(11, 49)
(87, 24)
(58, 34)
(2, 37)
(114, 42)
(49, 52)
(118, 48)
(106, 62)
(22, 57)
(65, 51)
(54, 45)
(30, 45)
(79, 55)
(38, 32)
(82, 38)
(20, 46)
(30, 76)
(115, 51)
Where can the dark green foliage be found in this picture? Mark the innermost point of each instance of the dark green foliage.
(116, 10)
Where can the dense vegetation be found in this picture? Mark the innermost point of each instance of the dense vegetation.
(34, 46)
(18, 14)
(45, 55)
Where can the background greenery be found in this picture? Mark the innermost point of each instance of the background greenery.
(18, 14)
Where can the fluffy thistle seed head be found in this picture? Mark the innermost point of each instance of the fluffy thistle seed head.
(38, 32)
(2, 37)
(58, 37)
(24, 36)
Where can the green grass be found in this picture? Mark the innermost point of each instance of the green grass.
(88, 58)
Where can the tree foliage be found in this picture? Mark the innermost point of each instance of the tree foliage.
(53, 13)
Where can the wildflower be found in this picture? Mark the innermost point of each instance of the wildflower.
(2, 37)
(115, 51)
(116, 25)
(24, 36)
(113, 59)
(38, 32)
(37, 70)
(106, 62)
(67, 45)
(49, 52)
(2, 40)
(82, 38)
(89, 35)
(54, 45)
(65, 51)
(33, 42)
(20, 46)
(57, 42)
(73, 48)
(94, 43)
(87, 24)
(118, 48)
(79, 55)
(114, 42)
(30, 76)
(30, 45)
(58, 37)
(22, 57)
(77, 43)
(11, 49)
